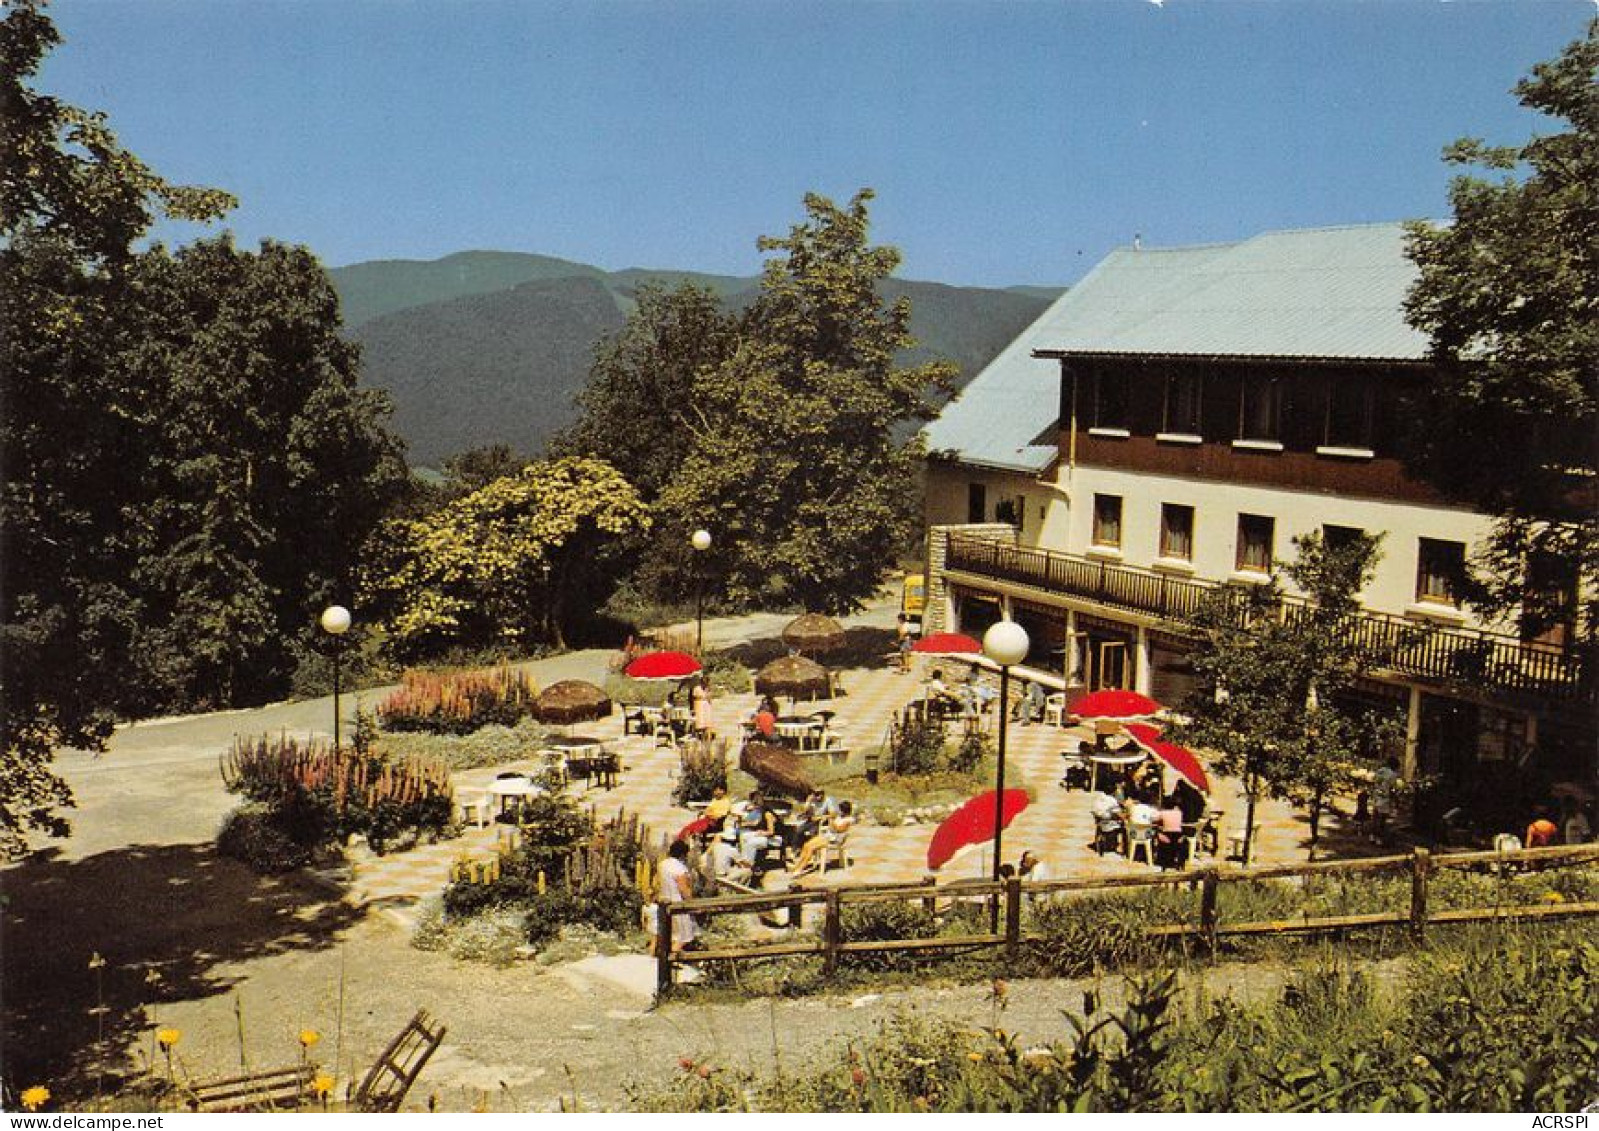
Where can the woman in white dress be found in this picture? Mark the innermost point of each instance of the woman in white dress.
(675, 884)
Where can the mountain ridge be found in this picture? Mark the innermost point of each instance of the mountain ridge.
(482, 347)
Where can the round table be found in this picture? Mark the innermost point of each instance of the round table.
(520, 788)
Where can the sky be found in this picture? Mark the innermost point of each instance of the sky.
(1007, 142)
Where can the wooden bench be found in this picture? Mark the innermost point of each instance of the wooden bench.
(277, 1089)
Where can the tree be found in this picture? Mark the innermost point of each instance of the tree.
(497, 567)
(640, 410)
(1272, 680)
(797, 464)
(264, 467)
(72, 203)
(1509, 295)
(189, 465)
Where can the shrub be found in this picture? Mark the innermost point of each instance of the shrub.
(458, 702)
(881, 922)
(968, 753)
(727, 675)
(252, 834)
(566, 871)
(702, 769)
(1093, 932)
(496, 936)
(319, 796)
(915, 746)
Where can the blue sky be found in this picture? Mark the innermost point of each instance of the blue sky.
(1008, 142)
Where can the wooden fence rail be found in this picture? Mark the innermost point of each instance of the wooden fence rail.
(1205, 925)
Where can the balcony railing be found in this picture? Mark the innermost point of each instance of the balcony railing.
(1464, 657)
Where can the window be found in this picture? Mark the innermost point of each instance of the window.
(1183, 398)
(1339, 537)
(1110, 401)
(1260, 415)
(1349, 415)
(976, 502)
(1012, 511)
(1440, 567)
(1255, 535)
(1176, 531)
(1107, 520)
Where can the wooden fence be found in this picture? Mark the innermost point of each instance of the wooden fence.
(1005, 897)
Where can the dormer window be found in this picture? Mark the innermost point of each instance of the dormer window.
(1349, 415)
(1110, 400)
(1183, 398)
(1260, 416)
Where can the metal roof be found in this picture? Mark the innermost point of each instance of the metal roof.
(1312, 293)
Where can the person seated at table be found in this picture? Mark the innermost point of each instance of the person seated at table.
(938, 695)
(717, 809)
(807, 820)
(756, 826)
(765, 719)
(725, 861)
(1190, 801)
(834, 830)
(1170, 846)
(1140, 820)
(1030, 707)
(1030, 867)
(1541, 833)
(1108, 821)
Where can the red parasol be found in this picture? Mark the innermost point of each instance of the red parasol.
(699, 826)
(1179, 758)
(972, 823)
(1115, 704)
(947, 644)
(663, 665)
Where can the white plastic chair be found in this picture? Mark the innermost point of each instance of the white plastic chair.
(475, 807)
(1055, 709)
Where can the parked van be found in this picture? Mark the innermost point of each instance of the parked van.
(913, 598)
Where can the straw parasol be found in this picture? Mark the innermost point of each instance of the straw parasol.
(814, 634)
(794, 676)
(779, 769)
(571, 701)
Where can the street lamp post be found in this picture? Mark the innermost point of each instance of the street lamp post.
(1005, 643)
(701, 541)
(336, 622)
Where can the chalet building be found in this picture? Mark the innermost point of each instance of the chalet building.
(1171, 424)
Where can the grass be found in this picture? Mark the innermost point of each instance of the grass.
(1497, 1017)
(491, 745)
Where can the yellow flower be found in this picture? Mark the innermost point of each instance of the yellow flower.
(1553, 897)
(166, 1038)
(309, 1037)
(975, 1057)
(322, 1084)
(35, 1097)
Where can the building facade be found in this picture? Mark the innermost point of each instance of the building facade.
(1172, 424)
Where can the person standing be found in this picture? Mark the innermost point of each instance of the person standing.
(903, 642)
(702, 709)
(674, 885)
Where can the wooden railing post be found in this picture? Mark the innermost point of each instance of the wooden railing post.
(663, 949)
(1420, 866)
(1013, 915)
(832, 931)
(1208, 884)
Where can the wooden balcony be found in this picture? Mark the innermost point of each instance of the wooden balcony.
(1467, 659)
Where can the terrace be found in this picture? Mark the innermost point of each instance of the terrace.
(1461, 658)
